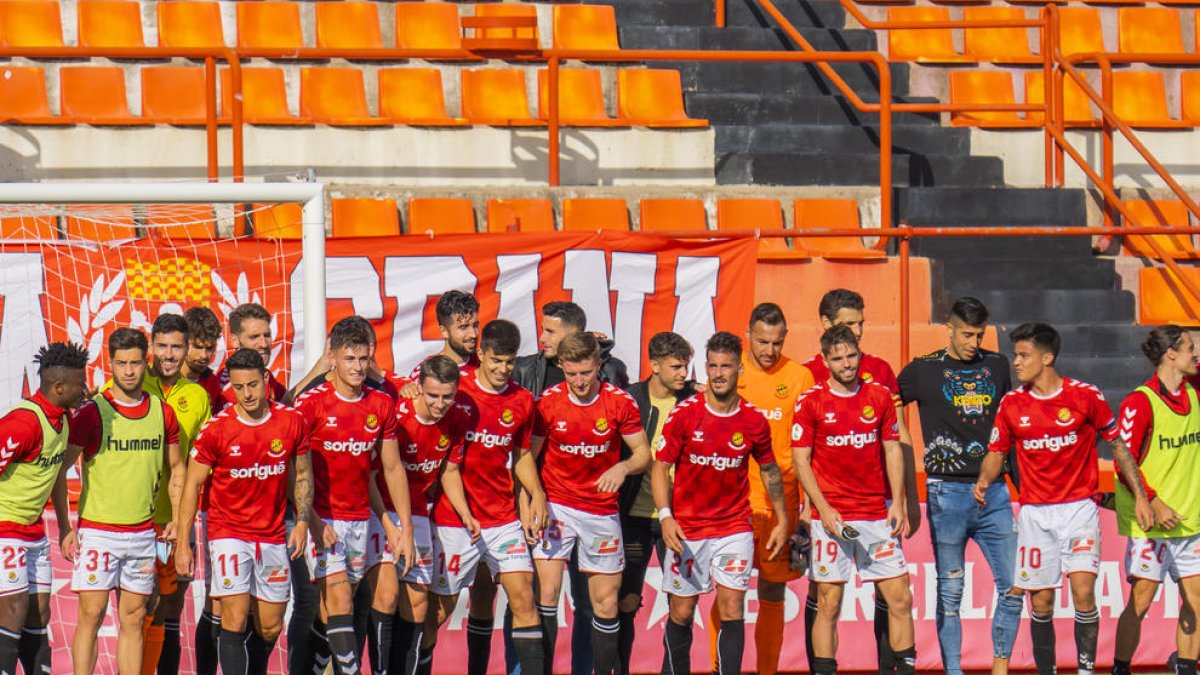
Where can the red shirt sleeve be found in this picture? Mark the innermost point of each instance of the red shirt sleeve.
(760, 441)
(887, 377)
(1002, 439)
(389, 422)
(631, 420)
(170, 425)
(804, 431)
(204, 449)
(539, 419)
(1101, 415)
(670, 444)
(462, 424)
(22, 437)
(1135, 420)
(85, 429)
(523, 434)
(889, 427)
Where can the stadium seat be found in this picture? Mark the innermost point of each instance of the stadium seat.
(269, 24)
(414, 96)
(983, 86)
(348, 25)
(100, 222)
(1149, 30)
(173, 95)
(432, 216)
(930, 45)
(583, 214)
(28, 227)
(427, 25)
(94, 95)
(758, 214)
(23, 97)
(580, 98)
(109, 23)
(1140, 100)
(365, 217)
(585, 27)
(281, 221)
(834, 214)
(190, 23)
(189, 222)
(1159, 213)
(1162, 297)
(264, 97)
(336, 96)
(659, 215)
(1189, 85)
(652, 98)
(497, 97)
(30, 23)
(997, 45)
(1077, 107)
(1079, 30)
(506, 9)
(520, 215)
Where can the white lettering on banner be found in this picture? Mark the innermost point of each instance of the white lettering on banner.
(259, 471)
(412, 281)
(346, 278)
(585, 274)
(1051, 443)
(858, 441)
(489, 440)
(718, 462)
(355, 448)
(695, 316)
(632, 279)
(584, 449)
(21, 285)
(516, 282)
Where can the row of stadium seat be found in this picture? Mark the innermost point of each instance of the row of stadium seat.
(275, 24)
(1139, 99)
(337, 96)
(1142, 30)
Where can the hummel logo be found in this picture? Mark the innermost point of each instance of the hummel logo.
(561, 426)
(235, 451)
(332, 421)
(698, 435)
(1024, 421)
(12, 444)
(463, 407)
(830, 417)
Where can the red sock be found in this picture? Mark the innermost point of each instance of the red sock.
(768, 636)
(152, 646)
(714, 627)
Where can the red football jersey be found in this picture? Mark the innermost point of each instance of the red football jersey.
(711, 495)
(424, 446)
(501, 426)
(227, 398)
(211, 382)
(846, 433)
(871, 368)
(248, 487)
(1055, 438)
(583, 440)
(344, 437)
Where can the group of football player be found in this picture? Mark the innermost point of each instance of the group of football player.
(370, 500)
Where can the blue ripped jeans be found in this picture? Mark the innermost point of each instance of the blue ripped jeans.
(954, 517)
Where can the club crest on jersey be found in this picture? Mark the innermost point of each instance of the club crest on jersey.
(91, 578)
(277, 448)
(781, 390)
(1064, 417)
(182, 404)
(868, 413)
(227, 583)
(506, 417)
(12, 576)
(738, 441)
(866, 377)
(601, 425)
(372, 423)
(443, 442)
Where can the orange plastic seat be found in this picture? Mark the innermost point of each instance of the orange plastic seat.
(496, 96)
(1077, 107)
(930, 45)
(1156, 213)
(100, 222)
(996, 45)
(652, 98)
(580, 98)
(23, 97)
(834, 214)
(672, 214)
(29, 227)
(427, 25)
(269, 24)
(431, 215)
(281, 221)
(585, 27)
(348, 25)
(109, 23)
(757, 214)
(30, 23)
(1189, 85)
(365, 217)
(582, 214)
(1140, 100)
(94, 95)
(336, 96)
(173, 95)
(1162, 297)
(414, 96)
(187, 222)
(520, 215)
(264, 97)
(189, 23)
(983, 87)
(1079, 30)
(1149, 30)
(505, 9)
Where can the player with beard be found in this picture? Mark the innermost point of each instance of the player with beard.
(845, 445)
(709, 440)
(478, 494)
(577, 435)
(204, 332)
(249, 328)
(248, 455)
(458, 321)
(35, 434)
(1053, 422)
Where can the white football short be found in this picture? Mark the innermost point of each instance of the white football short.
(25, 566)
(502, 547)
(348, 555)
(1155, 558)
(726, 561)
(262, 571)
(1056, 539)
(876, 555)
(598, 539)
(109, 560)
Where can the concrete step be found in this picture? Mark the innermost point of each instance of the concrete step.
(742, 37)
(784, 78)
(1076, 306)
(1002, 248)
(1084, 339)
(767, 108)
(768, 138)
(967, 206)
(974, 274)
(832, 168)
(738, 13)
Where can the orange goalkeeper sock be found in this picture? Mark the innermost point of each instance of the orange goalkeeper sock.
(768, 636)
(714, 628)
(152, 645)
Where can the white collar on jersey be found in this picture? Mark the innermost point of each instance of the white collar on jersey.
(253, 423)
(576, 401)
